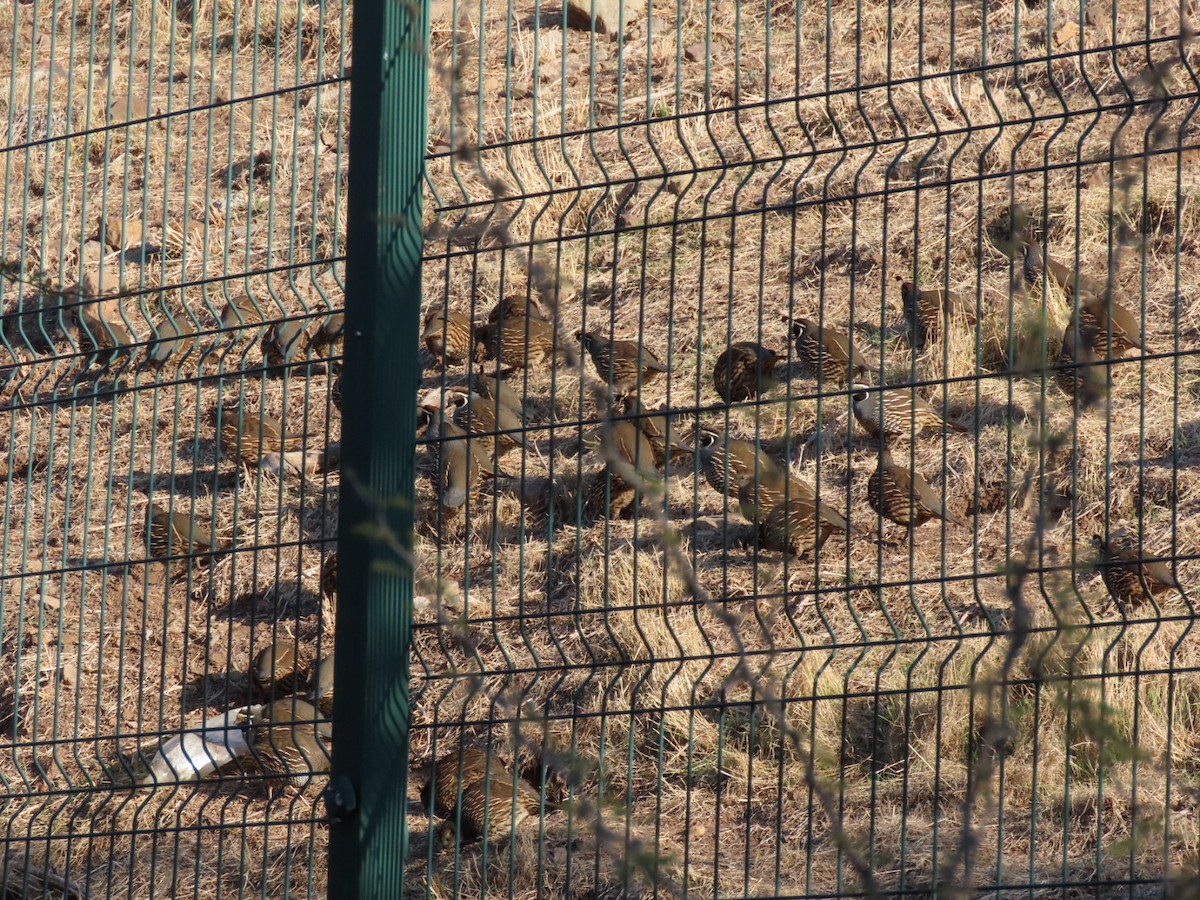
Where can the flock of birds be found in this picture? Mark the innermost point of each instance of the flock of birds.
(469, 428)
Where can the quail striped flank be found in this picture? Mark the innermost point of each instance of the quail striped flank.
(744, 371)
(329, 576)
(728, 462)
(827, 354)
(930, 309)
(905, 497)
(798, 527)
(1130, 577)
(286, 739)
(1109, 328)
(1078, 373)
(896, 413)
(284, 343)
(516, 306)
(490, 808)
(175, 534)
(519, 343)
(448, 335)
(484, 416)
(322, 685)
(460, 767)
(275, 666)
(247, 435)
(758, 496)
(623, 363)
(1068, 280)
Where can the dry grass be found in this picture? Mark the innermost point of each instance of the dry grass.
(703, 207)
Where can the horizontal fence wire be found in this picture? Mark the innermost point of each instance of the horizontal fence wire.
(699, 277)
(172, 278)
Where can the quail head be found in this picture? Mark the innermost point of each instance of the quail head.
(1132, 576)
(329, 576)
(896, 413)
(744, 371)
(449, 335)
(826, 354)
(288, 741)
(624, 364)
(275, 666)
(905, 497)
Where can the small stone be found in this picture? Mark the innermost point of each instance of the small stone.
(676, 185)
(601, 16)
(696, 52)
(126, 108)
(1067, 33)
(91, 254)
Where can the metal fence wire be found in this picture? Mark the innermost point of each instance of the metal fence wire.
(804, 498)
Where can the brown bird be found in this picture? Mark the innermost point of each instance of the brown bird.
(1110, 335)
(1068, 280)
(1078, 373)
(175, 534)
(455, 770)
(758, 496)
(799, 526)
(448, 335)
(905, 497)
(744, 371)
(247, 435)
(929, 309)
(489, 808)
(515, 306)
(286, 739)
(329, 576)
(610, 493)
(284, 342)
(1132, 578)
(322, 685)
(655, 425)
(275, 666)
(173, 340)
(494, 389)
(240, 312)
(728, 462)
(519, 343)
(489, 419)
(462, 460)
(903, 413)
(825, 353)
(621, 363)
(329, 337)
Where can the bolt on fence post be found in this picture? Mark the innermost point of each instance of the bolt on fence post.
(368, 787)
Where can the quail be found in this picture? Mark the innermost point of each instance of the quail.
(322, 685)
(284, 342)
(491, 808)
(1070, 282)
(519, 343)
(329, 576)
(328, 339)
(758, 496)
(516, 306)
(903, 414)
(622, 363)
(905, 497)
(104, 321)
(728, 462)
(744, 371)
(827, 354)
(448, 335)
(247, 435)
(462, 461)
(489, 419)
(493, 389)
(239, 312)
(1109, 334)
(610, 492)
(1078, 373)
(171, 342)
(286, 739)
(459, 768)
(930, 309)
(1128, 575)
(275, 666)
(655, 425)
(174, 533)
(799, 526)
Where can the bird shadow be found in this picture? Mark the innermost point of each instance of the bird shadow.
(277, 601)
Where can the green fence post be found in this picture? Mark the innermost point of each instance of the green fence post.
(383, 291)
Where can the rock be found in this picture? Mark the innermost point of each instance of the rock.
(697, 52)
(602, 16)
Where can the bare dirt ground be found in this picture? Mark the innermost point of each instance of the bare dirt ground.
(720, 168)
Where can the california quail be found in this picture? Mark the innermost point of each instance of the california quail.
(655, 425)
(275, 666)
(795, 527)
(286, 739)
(247, 435)
(1096, 322)
(459, 768)
(519, 343)
(462, 460)
(284, 343)
(175, 534)
(1130, 577)
(930, 309)
(728, 462)
(490, 808)
(825, 353)
(494, 388)
(322, 685)
(905, 497)
(744, 371)
(487, 418)
(448, 335)
(240, 312)
(1072, 283)
(515, 306)
(758, 496)
(329, 576)
(172, 341)
(622, 363)
(903, 413)
(328, 339)
(610, 493)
